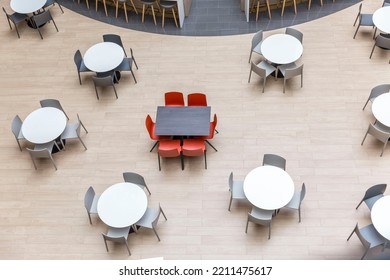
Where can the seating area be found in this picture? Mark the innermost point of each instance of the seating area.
(317, 129)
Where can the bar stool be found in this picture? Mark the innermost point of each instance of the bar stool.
(258, 8)
(320, 3)
(104, 4)
(148, 3)
(86, 1)
(168, 5)
(295, 6)
(124, 8)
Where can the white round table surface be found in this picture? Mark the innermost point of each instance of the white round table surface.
(44, 125)
(381, 19)
(103, 57)
(26, 6)
(380, 216)
(122, 205)
(381, 109)
(268, 187)
(281, 48)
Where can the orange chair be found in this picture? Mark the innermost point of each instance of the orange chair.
(174, 98)
(213, 125)
(193, 148)
(150, 127)
(196, 99)
(169, 148)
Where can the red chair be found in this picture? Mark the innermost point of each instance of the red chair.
(169, 148)
(174, 98)
(193, 148)
(150, 127)
(213, 125)
(196, 99)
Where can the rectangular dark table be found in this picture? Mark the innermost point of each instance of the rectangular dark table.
(183, 120)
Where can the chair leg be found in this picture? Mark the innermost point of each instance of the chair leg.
(82, 143)
(163, 17)
(359, 204)
(269, 9)
(143, 12)
(18, 144)
(264, 79)
(154, 16)
(97, 95)
(34, 163)
(60, 7)
(269, 231)
(365, 253)
(132, 3)
(247, 223)
(125, 9)
(356, 30)
(159, 163)
(250, 71)
(364, 140)
(127, 246)
(158, 237)
(230, 203)
(182, 161)
(52, 160)
(284, 3)
(383, 149)
(155, 144)
(132, 73)
(86, 131)
(115, 91)
(105, 242)
(205, 160)
(174, 17)
(90, 220)
(54, 24)
(162, 212)
(17, 31)
(211, 145)
(299, 214)
(284, 85)
(257, 10)
(148, 190)
(372, 50)
(351, 234)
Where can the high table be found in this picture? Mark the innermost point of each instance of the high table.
(268, 187)
(103, 57)
(380, 216)
(27, 6)
(122, 205)
(381, 19)
(44, 125)
(183, 120)
(281, 49)
(380, 109)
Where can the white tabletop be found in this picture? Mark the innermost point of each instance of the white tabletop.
(380, 216)
(103, 57)
(44, 125)
(27, 6)
(268, 187)
(381, 19)
(281, 48)
(122, 205)
(380, 109)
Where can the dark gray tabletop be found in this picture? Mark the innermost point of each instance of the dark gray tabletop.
(183, 120)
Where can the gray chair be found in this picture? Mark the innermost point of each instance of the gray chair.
(90, 202)
(380, 132)
(364, 20)
(150, 219)
(295, 33)
(290, 71)
(274, 160)
(107, 81)
(16, 19)
(50, 3)
(72, 131)
(260, 217)
(168, 5)
(236, 189)
(369, 237)
(52, 103)
(131, 177)
(114, 38)
(146, 4)
(263, 69)
(386, 3)
(376, 91)
(124, 7)
(372, 195)
(256, 44)
(43, 151)
(16, 128)
(381, 41)
(126, 65)
(118, 235)
(41, 19)
(78, 60)
(296, 201)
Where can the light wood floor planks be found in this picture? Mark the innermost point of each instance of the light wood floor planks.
(318, 129)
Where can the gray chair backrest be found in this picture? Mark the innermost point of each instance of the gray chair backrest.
(103, 81)
(88, 198)
(41, 153)
(53, 103)
(134, 178)
(257, 220)
(78, 59)
(362, 239)
(155, 220)
(382, 42)
(295, 33)
(113, 38)
(378, 90)
(42, 18)
(378, 134)
(274, 160)
(292, 72)
(16, 126)
(375, 190)
(258, 70)
(120, 239)
(257, 38)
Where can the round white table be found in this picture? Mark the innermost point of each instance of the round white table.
(381, 19)
(268, 187)
(26, 6)
(281, 48)
(380, 109)
(122, 205)
(103, 57)
(44, 125)
(380, 216)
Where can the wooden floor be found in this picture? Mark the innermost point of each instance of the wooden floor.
(317, 128)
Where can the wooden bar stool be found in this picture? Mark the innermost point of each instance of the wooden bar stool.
(149, 3)
(295, 6)
(320, 3)
(104, 4)
(168, 5)
(258, 8)
(124, 8)
(86, 1)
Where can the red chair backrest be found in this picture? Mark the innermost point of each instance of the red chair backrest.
(150, 127)
(193, 147)
(196, 99)
(169, 148)
(174, 98)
